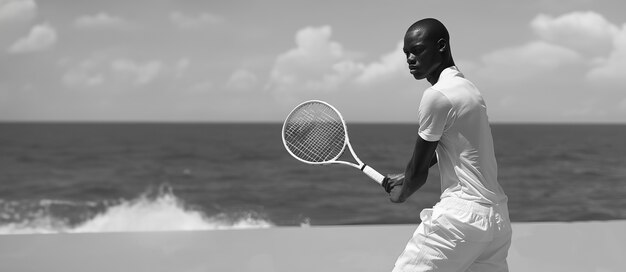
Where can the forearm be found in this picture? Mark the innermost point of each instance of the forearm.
(413, 180)
(416, 171)
(434, 160)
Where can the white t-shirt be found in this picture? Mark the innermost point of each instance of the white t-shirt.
(454, 113)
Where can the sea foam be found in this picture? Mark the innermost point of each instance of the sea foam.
(165, 212)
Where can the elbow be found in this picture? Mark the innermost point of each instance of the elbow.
(411, 185)
(418, 179)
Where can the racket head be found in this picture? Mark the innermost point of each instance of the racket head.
(314, 132)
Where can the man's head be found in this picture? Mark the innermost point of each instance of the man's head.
(427, 49)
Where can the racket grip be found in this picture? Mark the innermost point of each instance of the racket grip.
(369, 171)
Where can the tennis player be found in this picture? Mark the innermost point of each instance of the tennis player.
(469, 228)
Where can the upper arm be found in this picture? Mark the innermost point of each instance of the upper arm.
(435, 115)
(424, 154)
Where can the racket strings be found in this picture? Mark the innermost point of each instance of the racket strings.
(317, 146)
(315, 132)
(316, 141)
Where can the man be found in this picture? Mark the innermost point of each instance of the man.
(469, 228)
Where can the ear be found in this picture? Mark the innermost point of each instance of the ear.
(442, 45)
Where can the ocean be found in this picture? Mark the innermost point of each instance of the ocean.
(101, 177)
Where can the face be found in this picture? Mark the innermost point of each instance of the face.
(422, 55)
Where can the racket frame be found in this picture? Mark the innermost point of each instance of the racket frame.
(369, 171)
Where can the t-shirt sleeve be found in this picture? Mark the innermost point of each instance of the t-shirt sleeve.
(434, 115)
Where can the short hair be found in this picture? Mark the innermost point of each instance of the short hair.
(433, 29)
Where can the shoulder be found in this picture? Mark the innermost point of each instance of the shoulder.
(459, 91)
(435, 99)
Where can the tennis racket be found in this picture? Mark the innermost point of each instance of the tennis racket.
(315, 133)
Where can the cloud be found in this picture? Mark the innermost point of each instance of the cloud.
(317, 63)
(612, 69)
(583, 37)
(591, 34)
(390, 65)
(119, 73)
(101, 20)
(528, 60)
(186, 21)
(40, 37)
(17, 10)
(138, 73)
(84, 74)
(586, 31)
(320, 64)
(242, 80)
(569, 53)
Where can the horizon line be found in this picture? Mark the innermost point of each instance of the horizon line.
(130, 122)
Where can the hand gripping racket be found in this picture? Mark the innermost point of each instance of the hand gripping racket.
(315, 133)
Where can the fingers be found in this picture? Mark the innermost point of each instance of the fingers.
(396, 176)
(391, 181)
(386, 185)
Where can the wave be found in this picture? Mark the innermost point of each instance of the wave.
(165, 212)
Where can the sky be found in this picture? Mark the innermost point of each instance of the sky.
(254, 60)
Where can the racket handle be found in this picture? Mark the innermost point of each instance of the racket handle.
(369, 171)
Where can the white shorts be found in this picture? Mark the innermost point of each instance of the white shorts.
(459, 235)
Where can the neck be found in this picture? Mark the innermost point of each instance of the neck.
(434, 77)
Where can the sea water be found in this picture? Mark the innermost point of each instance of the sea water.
(64, 178)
